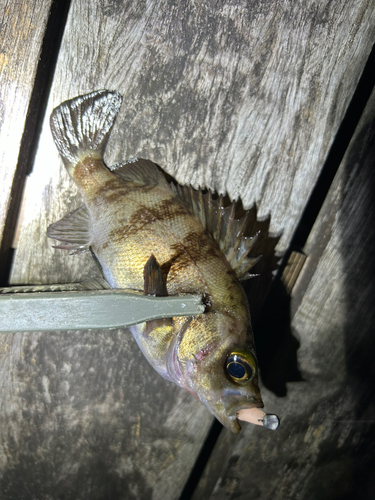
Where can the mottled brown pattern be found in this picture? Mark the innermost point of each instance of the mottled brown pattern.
(88, 167)
(136, 222)
(167, 210)
(199, 246)
(113, 193)
(195, 251)
(93, 176)
(170, 208)
(181, 260)
(112, 189)
(113, 196)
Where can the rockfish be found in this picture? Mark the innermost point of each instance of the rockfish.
(149, 234)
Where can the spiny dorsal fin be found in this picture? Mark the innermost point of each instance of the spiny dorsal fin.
(220, 221)
(140, 171)
(73, 230)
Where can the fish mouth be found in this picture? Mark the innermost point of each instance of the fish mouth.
(229, 417)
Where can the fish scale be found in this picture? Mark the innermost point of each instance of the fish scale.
(142, 228)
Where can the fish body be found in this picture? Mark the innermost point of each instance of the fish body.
(137, 224)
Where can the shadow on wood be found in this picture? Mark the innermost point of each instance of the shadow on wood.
(358, 254)
(276, 346)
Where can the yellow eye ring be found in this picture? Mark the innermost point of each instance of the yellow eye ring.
(241, 366)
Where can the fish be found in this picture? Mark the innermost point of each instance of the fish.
(151, 234)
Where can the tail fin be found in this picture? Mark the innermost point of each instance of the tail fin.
(81, 126)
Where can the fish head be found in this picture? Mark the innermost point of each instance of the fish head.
(215, 361)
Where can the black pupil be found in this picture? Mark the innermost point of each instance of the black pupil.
(236, 370)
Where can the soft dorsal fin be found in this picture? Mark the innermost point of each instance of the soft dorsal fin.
(221, 223)
(140, 171)
(73, 230)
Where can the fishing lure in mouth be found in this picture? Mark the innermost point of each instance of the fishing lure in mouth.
(161, 238)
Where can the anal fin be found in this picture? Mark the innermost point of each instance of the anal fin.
(73, 231)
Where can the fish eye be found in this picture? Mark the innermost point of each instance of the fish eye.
(240, 366)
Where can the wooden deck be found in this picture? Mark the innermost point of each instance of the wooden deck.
(256, 99)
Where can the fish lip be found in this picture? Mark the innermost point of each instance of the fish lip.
(236, 424)
(230, 422)
(256, 403)
(251, 402)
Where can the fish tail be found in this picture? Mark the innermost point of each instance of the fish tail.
(81, 126)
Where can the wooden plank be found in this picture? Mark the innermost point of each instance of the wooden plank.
(22, 29)
(245, 99)
(233, 108)
(324, 446)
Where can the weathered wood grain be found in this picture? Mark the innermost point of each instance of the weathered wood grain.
(83, 416)
(22, 26)
(244, 98)
(324, 446)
